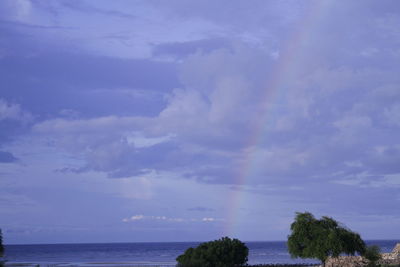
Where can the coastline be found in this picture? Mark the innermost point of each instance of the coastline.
(122, 264)
(261, 254)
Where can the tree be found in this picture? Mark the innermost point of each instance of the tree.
(1, 249)
(1, 244)
(319, 239)
(372, 254)
(224, 252)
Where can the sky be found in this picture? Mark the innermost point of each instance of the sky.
(139, 121)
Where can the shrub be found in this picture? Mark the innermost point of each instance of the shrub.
(224, 252)
(373, 254)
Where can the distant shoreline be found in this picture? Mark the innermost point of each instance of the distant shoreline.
(133, 264)
(166, 242)
(269, 253)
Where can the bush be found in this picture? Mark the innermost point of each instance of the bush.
(224, 252)
(373, 254)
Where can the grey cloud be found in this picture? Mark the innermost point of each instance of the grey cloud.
(183, 117)
(70, 169)
(83, 6)
(73, 79)
(183, 49)
(258, 14)
(294, 104)
(13, 112)
(34, 26)
(14, 121)
(322, 121)
(7, 157)
(357, 201)
(201, 209)
(334, 107)
(383, 160)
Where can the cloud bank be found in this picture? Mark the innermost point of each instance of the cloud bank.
(284, 106)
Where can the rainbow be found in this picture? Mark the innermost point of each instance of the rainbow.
(288, 64)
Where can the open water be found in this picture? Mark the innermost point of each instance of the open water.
(163, 253)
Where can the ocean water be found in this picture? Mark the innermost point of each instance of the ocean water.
(147, 253)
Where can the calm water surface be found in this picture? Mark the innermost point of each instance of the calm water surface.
(259, 252)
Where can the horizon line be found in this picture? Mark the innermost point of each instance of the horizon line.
(132, 242)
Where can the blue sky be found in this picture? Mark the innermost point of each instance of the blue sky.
(126, 121)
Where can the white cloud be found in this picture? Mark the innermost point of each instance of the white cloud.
(207, 127)
(137, 139)
(392, 114)
(13, 112)
(366, 180)
(168, 219)
(19, 10)
(134, 218)
(24, 8)
(154, 218)
(322, 115)
(91, 126)
(353, 123)
(356, 163)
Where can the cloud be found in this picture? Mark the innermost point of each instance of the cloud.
(167, 219)
(180, 50)
(19, 9)
(193, 122)
(154, 218)
(201, 209)
(269, 100)
(247, 17)
(366, 180)
(12, 202)
(10, 111)
(315, 123)
(81, 6)
(133, 218)
(73, 80)
(392, 114)
(14, 121)
(7, 157)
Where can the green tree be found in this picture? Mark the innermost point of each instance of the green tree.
(372, 254)
(319, 239)
(1, 250)
(224, 252)
(1, 244)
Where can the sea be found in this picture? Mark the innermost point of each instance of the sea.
(145, 254)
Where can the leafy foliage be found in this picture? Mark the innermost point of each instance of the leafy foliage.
(1, 244)
(373, 254)
(224, 252)
(312, 238)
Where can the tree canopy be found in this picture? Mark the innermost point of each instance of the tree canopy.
(372, 254)
(1, 244)
(224, 252)
(319, 239)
